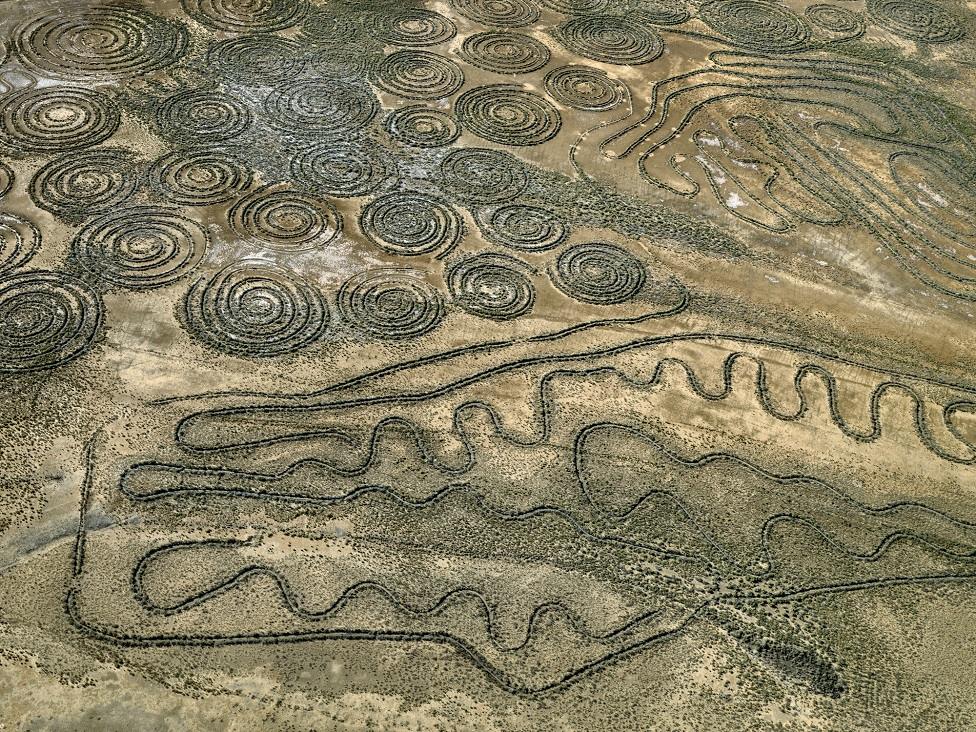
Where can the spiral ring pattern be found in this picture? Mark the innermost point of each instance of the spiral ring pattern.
(99, 41)
(611, 39)
(409, 223)
(419, 126)
(261, 60)
(499, 13)
(525, 228)
(508, 115)
(664, 12)
(57, 118)
(584, 88)
(323, 106)
(46, 319)
(504, 52)
(285, 220)
(390, 303)
(140, 247)
(81, 184)
(200, 176)
(834, 19)
(19, 241)
(256, 309)
(419, 75)
(598, 273)
(343, 169)
(203, 116)
(413, 27)
(483, 176)
(916, 20)
(492, 286)
(758, 25)
(246, 16)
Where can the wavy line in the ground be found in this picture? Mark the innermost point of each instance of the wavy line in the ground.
(764, 400)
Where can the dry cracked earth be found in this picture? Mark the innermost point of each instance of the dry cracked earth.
(487, 365)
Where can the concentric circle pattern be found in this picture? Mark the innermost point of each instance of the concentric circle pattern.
(140, 247)
(321, 106)
(409, 223)
(390, 303)
(492, 286)
(202, 116)
(498, 13)
(508, 115)
(19, 241)
(246, 16)
(758, 25)
(663, 12)
(56, 119)
(419, 75)
(46, 319)
(286, 220)
(342, 168)
(835, 19)
(916, 20)
(99, 41)
(259, 60)
(200, 176)
(256, 309)
(504, 52)
(420, 126)
(483, 176)
(525, 228)
(584, 88)
(412, 27)
(611, 39)
(85, 183)
(598, 273)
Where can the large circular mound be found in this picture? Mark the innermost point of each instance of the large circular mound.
(342, 168)
(246, 16)
(916, 20)
(598, 273)
(508, 115)
(584, 88)
(46, 319)
(321, 106)
(505, 52)
(492, 286)
(758, 25)
(57, 118)
(481, 176)
(82, 184)
(255, 309)
(202, 116)
(140, 247)
(419, 75)
(409, 223)
(99, 41)
(611, 39)
(285, 220)
(390, 303)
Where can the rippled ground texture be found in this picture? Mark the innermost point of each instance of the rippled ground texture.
(487, 364)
